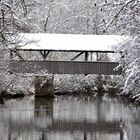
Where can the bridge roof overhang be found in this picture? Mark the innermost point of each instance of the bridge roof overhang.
(70, 43)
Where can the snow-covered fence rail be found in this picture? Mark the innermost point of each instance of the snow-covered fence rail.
(65, 67)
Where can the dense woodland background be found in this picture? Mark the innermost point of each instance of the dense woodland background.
(98, 17)
(70, 16)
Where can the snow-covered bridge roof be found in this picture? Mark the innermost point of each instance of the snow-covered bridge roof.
(71, 42)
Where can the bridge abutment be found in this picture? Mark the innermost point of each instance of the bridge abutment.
(44, 86)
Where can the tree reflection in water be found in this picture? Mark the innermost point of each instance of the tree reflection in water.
(68, 118)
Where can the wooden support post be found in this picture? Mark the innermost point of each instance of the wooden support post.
(86, 56)
(86, 59)
(97, 57)
(44, 87)
(91, 56)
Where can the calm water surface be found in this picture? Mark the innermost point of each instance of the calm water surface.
(68, 118)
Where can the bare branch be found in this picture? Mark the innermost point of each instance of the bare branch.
(24, 7)
(112, 20)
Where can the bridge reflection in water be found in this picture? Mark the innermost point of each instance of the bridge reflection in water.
(66, 118)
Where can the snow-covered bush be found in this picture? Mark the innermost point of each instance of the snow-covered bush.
(83, 84)
(73, 83)
(130, 61)
(16, 84)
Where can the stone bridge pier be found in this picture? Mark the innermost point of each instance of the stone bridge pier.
(44, 86)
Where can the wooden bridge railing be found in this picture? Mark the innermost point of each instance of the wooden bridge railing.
(64, 67)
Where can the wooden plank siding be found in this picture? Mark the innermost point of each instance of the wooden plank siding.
(64, 67)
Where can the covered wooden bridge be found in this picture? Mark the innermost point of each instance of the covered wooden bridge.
(80, 54)
(80, 45)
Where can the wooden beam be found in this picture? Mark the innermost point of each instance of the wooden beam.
(91, 56)
(97, 56)
(18, 54)
(86, 56)
(44, 53)
(86, 59)
(93, 51)
(77, 55)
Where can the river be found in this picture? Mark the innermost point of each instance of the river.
(69, 118)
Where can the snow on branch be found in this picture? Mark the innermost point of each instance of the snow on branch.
(117, 14)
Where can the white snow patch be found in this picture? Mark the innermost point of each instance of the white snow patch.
(72, 41)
